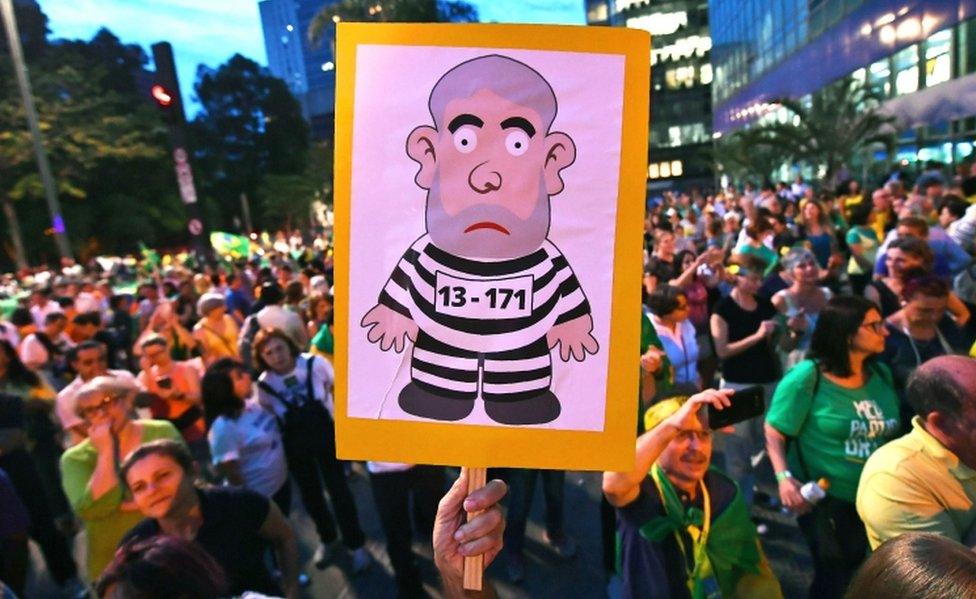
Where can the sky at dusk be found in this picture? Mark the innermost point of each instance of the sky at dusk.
(211, 31)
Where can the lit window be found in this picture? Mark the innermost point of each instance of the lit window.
(653, 171)
(938, 64)
(665, 169)
(879, 74)
(659, 23)
(905, 64)
(676, 168)
(598, 12)
(705, 74)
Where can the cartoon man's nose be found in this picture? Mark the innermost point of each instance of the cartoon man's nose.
(484, 179)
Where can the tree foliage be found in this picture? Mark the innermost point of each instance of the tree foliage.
(392, 11)
(837, 124)
(250, 129)
(106, 145)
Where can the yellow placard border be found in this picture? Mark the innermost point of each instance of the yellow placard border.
(490, 446)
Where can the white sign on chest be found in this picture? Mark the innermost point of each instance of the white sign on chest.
(484, 299)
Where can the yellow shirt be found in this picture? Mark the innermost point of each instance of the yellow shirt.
(915, 484)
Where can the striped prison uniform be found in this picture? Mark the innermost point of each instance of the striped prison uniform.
(511, 353)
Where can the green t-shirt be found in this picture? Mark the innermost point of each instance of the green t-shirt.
(836, 430)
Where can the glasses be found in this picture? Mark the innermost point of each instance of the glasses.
(102, 406)
(877, 326)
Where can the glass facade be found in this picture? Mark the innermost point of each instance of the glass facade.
(919, 58)
(679, 152)
(307, 68)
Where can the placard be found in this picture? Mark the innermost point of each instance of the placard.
(489, 193)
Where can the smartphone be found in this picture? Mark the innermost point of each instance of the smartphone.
(746, 403)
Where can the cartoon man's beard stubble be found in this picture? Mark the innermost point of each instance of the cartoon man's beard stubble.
(456, 235)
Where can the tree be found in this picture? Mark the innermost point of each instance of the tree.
(392, 11)
(106, 145)
(250, 127)
(840, 122)
(743, 156)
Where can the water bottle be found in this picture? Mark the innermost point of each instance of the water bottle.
(815, 491)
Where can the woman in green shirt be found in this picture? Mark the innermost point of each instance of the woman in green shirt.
(838, 407)
(90, 469)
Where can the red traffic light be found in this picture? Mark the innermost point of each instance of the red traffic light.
(161, 95)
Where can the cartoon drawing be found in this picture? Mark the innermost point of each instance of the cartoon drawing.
(484, 295)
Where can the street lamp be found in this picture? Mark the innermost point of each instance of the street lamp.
(27, 97)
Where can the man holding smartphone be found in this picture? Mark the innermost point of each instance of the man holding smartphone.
(683, 525)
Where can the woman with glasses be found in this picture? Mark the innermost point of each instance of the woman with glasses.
(800, 303)
(828, 415)
(90, 469)
(669, 315)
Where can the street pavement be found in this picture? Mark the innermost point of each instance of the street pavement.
(546, 575)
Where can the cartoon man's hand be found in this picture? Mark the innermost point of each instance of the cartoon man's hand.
(574, 338)
(389, 328)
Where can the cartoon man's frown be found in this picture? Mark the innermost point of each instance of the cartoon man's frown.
(484, 295)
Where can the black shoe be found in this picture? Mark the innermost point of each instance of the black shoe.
(425, 404)
(535, 410)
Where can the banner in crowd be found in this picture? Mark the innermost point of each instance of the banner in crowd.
(490, 184)
(228, 244)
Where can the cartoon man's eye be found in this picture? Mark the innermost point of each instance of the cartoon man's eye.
(517, 142)
(465, 139)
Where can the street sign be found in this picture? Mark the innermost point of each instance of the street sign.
(184, 177)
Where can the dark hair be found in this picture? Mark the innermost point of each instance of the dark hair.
(163, 567)
(174, 450)
(88, 318)
(664, 299)
(917, 565)
(16, 371)
(294, 292)
(679, 258)
(53, 317)
(837, 324)
(263, 337)
(271, 294)
(861, 212)
(932, 389)
(916, 247)
(217, 390)
(956, 205)
(83, 346)
(925, 284)
(757, 228)
(21, 317)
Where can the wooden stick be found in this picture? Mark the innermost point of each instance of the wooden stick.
(474, 567)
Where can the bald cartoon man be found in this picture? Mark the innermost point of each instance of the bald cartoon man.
(484, 295)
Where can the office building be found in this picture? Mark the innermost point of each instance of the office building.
(308, 69)
(919, 56)
(680, 143)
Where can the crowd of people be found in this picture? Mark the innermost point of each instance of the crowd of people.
(171, 409)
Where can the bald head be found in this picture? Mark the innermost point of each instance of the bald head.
(503, 76)
(945, 384)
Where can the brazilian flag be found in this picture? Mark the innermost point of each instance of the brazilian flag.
(228, 244)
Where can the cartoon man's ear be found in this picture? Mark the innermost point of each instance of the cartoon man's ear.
(560, 153)
(420, 148)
